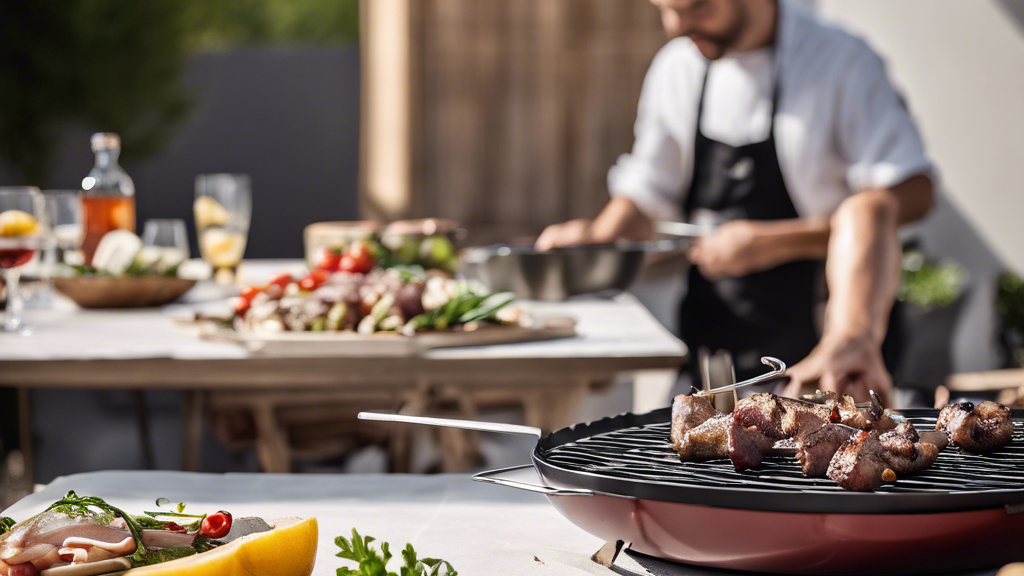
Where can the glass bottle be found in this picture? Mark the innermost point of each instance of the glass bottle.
(108, 200)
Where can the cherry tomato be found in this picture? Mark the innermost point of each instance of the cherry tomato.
(309, 284)
(319, 275)
(362, 255)
(216, 525)
(282, 280)
(329, 259)
(348, 264)
(242, 305)
(250, 292)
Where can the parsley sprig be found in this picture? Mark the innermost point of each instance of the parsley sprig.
(74, 505)
(372, 563)
(6, 524)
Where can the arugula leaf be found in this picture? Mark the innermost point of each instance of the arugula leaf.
(6, 523)
(372, 563)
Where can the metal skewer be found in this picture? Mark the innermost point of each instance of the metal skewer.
(778, 370)
(449, 423)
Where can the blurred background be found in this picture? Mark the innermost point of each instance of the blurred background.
(501, 115)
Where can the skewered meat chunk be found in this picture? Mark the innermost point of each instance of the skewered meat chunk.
(709, 441)
(815, 451)
(863, 461)
(689, 412)
(977, 428)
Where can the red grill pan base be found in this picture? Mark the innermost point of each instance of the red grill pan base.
(959, 515)
(795, 543)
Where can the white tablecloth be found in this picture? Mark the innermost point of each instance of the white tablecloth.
(481, 529)
(615, 328)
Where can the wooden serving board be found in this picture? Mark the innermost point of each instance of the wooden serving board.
(335, 344)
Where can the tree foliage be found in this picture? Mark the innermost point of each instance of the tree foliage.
(116, 65)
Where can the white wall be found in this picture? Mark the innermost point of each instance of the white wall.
(960, 63)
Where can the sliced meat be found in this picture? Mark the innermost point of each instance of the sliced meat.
(978, 428)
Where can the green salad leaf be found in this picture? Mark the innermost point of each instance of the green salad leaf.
(374, 563)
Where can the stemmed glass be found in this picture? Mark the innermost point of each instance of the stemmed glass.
(22, 231)
(223, 209)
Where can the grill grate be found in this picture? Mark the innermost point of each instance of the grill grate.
(644, 454)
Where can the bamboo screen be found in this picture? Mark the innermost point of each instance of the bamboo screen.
(518, 107)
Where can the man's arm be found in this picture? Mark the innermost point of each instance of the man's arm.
(863, 272)
(746, 246)
(621, 219)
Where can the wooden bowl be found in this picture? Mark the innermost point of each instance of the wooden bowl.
(123, 292)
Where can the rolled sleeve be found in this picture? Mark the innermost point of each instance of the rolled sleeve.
(652, 174)
(877, 136)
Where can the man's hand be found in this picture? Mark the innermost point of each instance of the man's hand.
(734, 250)
(571, 233)
(845, 364)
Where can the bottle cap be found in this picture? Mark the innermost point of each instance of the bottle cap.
(105, 141)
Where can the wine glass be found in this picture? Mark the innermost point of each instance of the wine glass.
(22, 231)
(169, 237)
(223, 209)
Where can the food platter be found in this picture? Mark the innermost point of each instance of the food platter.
(388, 344)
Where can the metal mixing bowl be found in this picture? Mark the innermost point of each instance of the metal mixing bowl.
(561, 272)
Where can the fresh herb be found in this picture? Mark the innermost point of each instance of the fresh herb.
(172, 515)
(163, 555)
(74, 505)
(373, 563)
(6, 524)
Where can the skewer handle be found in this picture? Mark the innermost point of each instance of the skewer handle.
(449, 423)
(778, 370)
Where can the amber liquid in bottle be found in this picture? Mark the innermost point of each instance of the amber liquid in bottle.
(103, 214)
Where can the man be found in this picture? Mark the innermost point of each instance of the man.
(760, 120)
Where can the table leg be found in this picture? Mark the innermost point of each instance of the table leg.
(142, 426)
(25, 436)
(192, 433)
(558, 407)
(271, 440)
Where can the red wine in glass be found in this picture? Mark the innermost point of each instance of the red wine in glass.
(12, 258)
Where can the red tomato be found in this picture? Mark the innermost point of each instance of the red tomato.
(309, 284)
(250, 292)
(319, 275)
(282, 280)
(216, 525)
(242, 305)
(329, 259)
(360, 252)
(348, 264)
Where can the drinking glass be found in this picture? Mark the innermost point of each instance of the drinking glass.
(170, 237)
(223, 209)
(23, 230)
(65, 218)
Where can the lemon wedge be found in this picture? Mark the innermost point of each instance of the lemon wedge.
(209, 212)
(14, 223)
(287, 550)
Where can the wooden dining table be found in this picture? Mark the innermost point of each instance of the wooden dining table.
(154, 349)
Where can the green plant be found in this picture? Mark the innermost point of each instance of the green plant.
(1010, 301)
(115, 65)
(930, 284)
(373, 563)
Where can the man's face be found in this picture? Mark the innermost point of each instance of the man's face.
(714, 26)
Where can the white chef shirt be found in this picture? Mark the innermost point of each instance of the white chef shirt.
(840, 126)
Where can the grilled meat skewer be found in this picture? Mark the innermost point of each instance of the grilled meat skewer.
(976, 428)
(868, 459)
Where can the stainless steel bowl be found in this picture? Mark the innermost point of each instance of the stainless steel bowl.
(561, 272)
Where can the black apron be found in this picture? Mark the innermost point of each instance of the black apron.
(770, 313)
